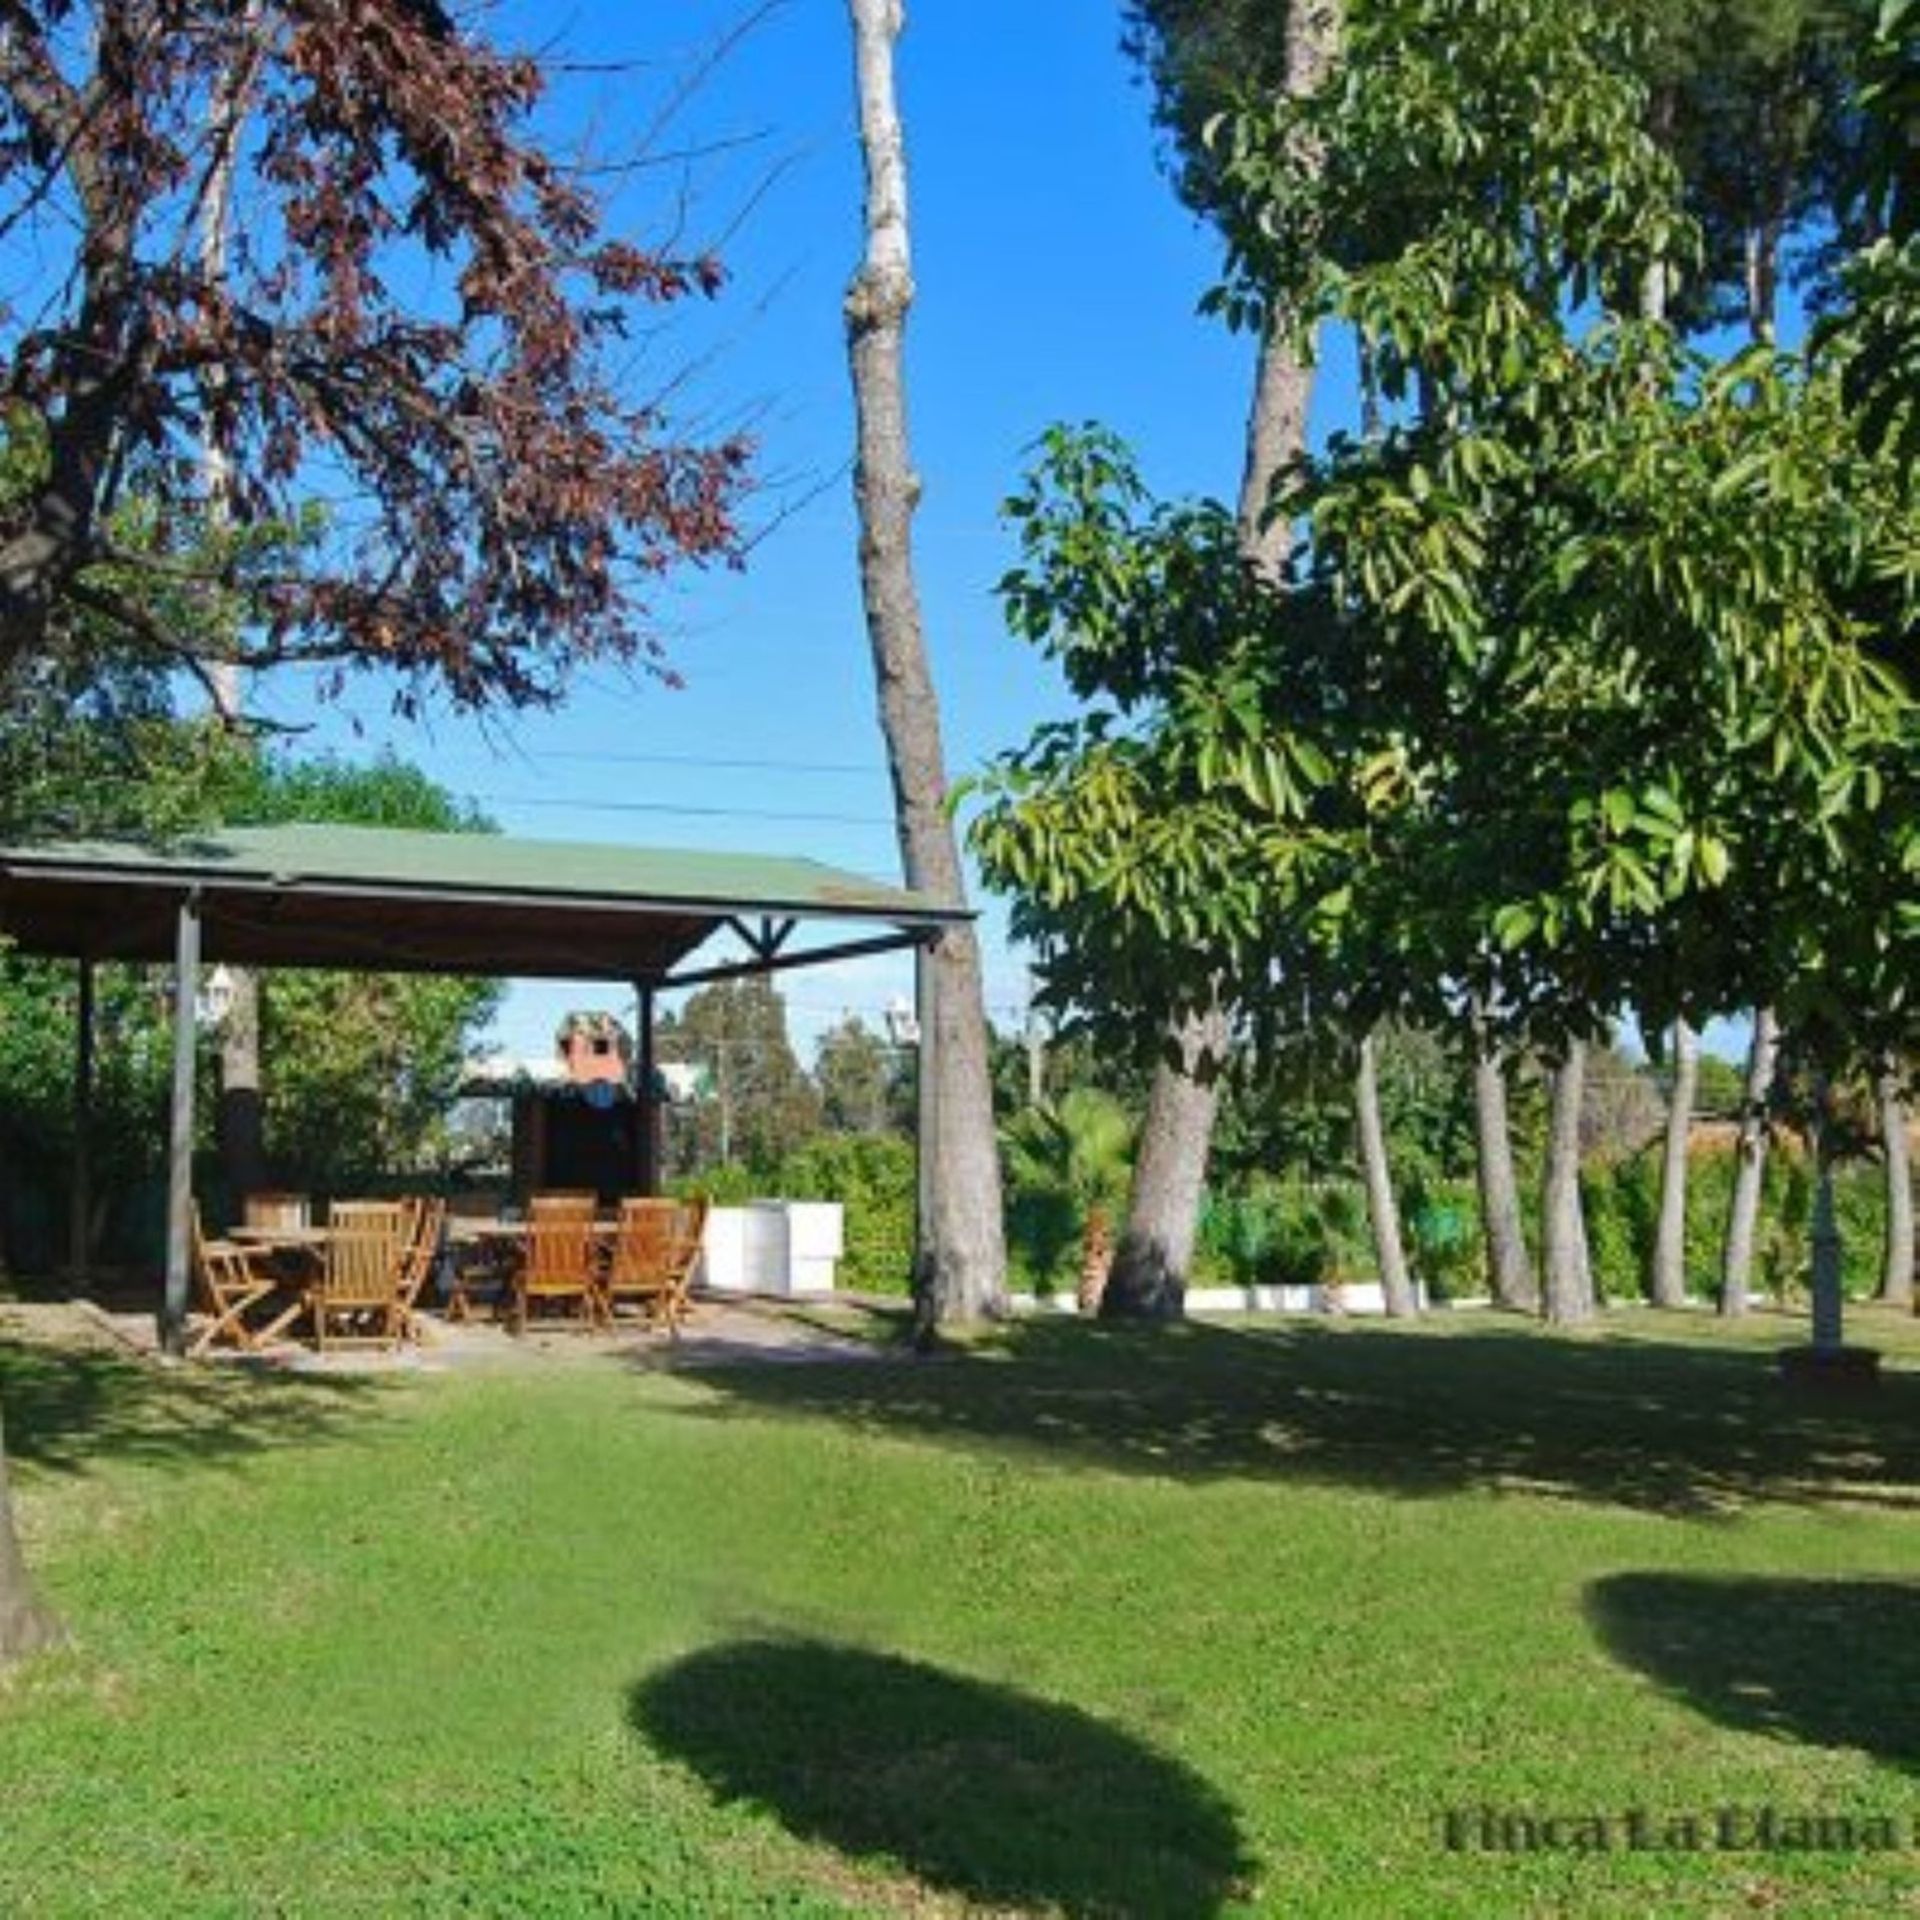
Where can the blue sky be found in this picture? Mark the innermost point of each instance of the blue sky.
(1057, 279)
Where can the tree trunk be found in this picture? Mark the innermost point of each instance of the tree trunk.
(1896, 1265)
(238, 1123)
(1383, 1212)
(1828, 1309)
(1567, 1276)
(1749, 1165)
(1178, 1129)
(25, 1625)
(1509, 1270)
(1096, 1259)
(1149, 1277)
(1667, 1281)
(962, 1270)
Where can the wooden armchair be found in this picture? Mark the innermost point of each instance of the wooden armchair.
(653, 1259)
(230, 1280)
(358, 1286)
(427, 1225)
(557, 1266)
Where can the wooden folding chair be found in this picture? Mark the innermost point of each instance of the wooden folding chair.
(427, 1223)
(231, 1279)
(654, 1254)
(358, 1285)
(557, 1259)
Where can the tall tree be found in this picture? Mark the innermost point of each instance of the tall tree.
(1197, 53)
(1896, 1155)
(513, 487)
(862, 1089)
(1749, 1164)
(962, 1266)
(429, 317)
(1510, 1278)
(758, 1103)
(1383, 1211)
(1667, 1276)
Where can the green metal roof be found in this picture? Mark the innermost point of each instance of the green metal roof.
(389, 897)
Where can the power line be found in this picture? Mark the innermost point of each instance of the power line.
(702, 760)
(662, 806)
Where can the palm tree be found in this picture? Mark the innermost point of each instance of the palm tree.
(1081, 1146)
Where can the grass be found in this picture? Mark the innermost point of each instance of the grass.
(1215, 1621)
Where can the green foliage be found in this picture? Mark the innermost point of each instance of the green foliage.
(1720, 1086)
(1877, 335)
(1622, 1205)
(1284, 1232)
(1443, 1239)
(1065, 1162)
(865, 1084)
(359, 1071)
(762, 1105)
(872, 1177)
(39, 1003)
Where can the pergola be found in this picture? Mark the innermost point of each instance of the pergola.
(385, 899)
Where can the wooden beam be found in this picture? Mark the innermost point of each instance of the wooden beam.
(812, 957)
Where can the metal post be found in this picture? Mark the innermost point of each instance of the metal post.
(186, 976)
(79, 1222)
(645, 1097)
(926, 1130)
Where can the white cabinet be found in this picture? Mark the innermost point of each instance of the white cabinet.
(774, 1246)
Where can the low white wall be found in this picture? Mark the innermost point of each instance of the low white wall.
(1359, 1297)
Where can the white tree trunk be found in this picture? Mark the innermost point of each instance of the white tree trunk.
(1667, 1281)
(1567, 1278)
(1509, 1270)
(1396, 1289)
(1749, 1165)
(962, 1269)
(1896, 1264)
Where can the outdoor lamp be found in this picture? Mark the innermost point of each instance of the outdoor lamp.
(215, 999)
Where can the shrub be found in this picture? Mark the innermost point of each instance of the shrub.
(1623, 1200)
(871, 1175)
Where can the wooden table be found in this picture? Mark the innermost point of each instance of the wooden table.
(470, 1231)
(309, 1239)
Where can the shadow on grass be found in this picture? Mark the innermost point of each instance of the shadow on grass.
(1663, 1425)
(1831, 1663)
(968, 1786)
(67, 1407)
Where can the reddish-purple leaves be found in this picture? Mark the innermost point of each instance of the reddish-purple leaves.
(410, 325)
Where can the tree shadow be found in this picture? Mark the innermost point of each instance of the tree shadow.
(67, 1407)
(1831, 1663)
(1654, 1424)
(966, 1785)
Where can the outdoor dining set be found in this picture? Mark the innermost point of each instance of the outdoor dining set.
(366, 1274)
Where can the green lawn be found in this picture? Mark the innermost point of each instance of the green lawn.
(1081, 1622)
